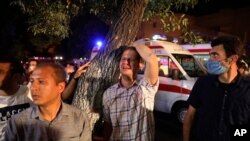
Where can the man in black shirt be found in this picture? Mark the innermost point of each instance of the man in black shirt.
(220, 101)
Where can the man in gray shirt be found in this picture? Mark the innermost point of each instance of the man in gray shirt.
(50, 119)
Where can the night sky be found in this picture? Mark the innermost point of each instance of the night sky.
(213, 6)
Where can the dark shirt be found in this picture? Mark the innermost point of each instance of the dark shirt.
(219, 106)
(71, 124)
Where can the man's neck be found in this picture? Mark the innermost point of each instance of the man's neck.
(127, 81)
(229, 76)
(50, 112)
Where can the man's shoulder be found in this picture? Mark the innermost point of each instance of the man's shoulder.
(244, 81)
(70, 109)
(23, 114)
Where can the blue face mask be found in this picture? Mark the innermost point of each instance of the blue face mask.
(215, 67)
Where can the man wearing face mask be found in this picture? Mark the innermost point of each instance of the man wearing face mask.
(220, 101)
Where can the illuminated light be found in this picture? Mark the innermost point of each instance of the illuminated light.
(159, 37)
(175, 40)
(155, 37)
(99, 44)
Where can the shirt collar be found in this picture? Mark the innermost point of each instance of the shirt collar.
(119, 84)
(35, 114)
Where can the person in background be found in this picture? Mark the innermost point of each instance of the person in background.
(13, 95)
(221, 100)
(50, 118)
(68, 93)
(242, 67)
(32, 63)
(128, 105)
(70, 69)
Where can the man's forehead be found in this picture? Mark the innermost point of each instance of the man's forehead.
(129, 53)
(45, 71)
(33, 62)
(218, 48)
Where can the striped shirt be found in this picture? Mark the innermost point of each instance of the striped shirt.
(130, 111)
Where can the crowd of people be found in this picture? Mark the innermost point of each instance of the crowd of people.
(35, 104)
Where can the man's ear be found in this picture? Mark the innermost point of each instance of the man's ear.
(141, 65)
(234, 58)
(61, 86)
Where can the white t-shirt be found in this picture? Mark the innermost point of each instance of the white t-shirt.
(11, 105)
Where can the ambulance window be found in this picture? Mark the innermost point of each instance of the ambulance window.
(174, 71)
(189, 64)
(163, 66)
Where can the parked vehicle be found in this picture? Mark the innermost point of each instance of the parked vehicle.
(200, 51)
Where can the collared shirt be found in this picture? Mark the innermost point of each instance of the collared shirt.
(219, 107)
(70, 124)
(11, 105)
(130, 111)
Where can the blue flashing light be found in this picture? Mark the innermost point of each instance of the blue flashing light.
(99, 44)
(175, 40)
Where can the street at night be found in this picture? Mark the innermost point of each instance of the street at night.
(64, 64)
(167, 129)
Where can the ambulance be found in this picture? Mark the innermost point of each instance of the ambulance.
(178, 71)
(200, 51)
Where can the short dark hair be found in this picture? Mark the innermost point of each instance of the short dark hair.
(132, 48)
(232, 45)
(15, 65)
(59, 72)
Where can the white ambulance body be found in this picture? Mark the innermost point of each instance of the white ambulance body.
(178, 72)
(200, 51)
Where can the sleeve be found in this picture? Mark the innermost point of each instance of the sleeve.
(86, 132)
(148, 91)
(11, 130)
(194, 97)
(105, 109)
(152, 89)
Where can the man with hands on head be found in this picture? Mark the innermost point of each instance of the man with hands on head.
(128, 105)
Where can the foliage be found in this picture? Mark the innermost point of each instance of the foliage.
(52, 17)
(47, 18)
(169, 20)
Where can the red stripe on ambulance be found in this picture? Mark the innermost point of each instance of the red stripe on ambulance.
(199, 50)
(173, 88)
(155, 47)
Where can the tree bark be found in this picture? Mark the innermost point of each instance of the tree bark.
(104, 68)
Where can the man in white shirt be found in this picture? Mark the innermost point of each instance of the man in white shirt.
(13, 95)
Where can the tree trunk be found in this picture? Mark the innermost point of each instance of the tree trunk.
(104, 69)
